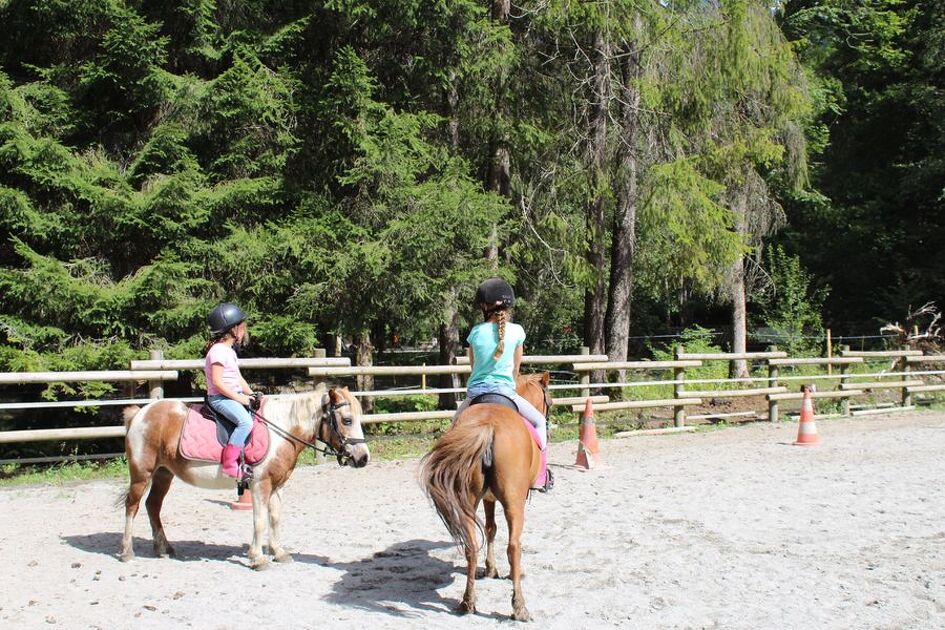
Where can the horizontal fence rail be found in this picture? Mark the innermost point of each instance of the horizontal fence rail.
(24, 378)
(909, 373)
(262, 364)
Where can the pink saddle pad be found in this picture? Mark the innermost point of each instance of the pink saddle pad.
(198, 439)
(543, 467)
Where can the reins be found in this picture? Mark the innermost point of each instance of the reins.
(330, 408)
(546, 397)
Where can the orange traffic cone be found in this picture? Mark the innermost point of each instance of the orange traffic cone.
(807, 428)
(588, 454)
(245, 501)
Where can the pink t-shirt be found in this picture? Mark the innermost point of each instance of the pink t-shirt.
(225, 356)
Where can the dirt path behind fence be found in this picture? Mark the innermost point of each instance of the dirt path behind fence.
(728, 529)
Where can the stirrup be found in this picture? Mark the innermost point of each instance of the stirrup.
(549, 481)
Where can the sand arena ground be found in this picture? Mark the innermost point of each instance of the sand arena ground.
(732, 528)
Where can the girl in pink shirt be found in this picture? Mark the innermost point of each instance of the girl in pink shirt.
(228, 393)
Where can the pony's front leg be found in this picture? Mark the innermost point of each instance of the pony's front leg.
(491, 528)
(261, 492)
(515, 516)
(275, 514)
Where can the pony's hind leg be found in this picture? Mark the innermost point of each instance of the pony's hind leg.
(275, 514)
(491, 528)
(136, 487)
(515, 516)
(160, 484)
(468, 605)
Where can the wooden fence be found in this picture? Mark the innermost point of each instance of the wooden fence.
(908, 373)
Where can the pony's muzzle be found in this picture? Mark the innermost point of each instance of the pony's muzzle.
(358, 455)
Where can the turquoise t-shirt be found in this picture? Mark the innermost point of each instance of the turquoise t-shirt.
(483, 339)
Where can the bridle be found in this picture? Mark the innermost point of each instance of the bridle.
(546, 398)
(344, 441)
(329, 409)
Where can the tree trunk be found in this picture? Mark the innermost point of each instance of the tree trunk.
(501, 167)
(448, 341)
(364, 356)
(623, 243)
(500, 163)
(739, 317)
(500, 10)
(452, 101)
(595, 295)
(492, 249)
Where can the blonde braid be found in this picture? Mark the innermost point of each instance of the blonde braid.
(499, 349)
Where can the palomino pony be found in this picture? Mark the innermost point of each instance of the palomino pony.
(488, 455)
(332, 417)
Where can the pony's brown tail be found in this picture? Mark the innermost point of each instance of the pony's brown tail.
(447, 475)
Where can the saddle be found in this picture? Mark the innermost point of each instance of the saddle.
(206, 432)
(494, 399)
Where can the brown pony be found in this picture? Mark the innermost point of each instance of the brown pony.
(487, 455)
(295, 420)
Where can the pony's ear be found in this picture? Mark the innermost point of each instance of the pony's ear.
(334, 396)
(545, 379)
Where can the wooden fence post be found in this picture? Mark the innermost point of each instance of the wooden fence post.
(903, 363)
(319, 354)
(844, 369)
(772, 382)
(679, 375)
(156, 388)
(829, 352)
(585, 376)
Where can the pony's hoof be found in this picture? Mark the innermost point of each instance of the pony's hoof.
(127, 556)
(488, 573)
(466, 608)
(284, 558)
(521, 614)
(166, 552)
(259, 565)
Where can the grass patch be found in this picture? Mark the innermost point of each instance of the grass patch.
(62, 473)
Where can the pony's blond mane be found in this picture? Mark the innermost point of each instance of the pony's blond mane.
(297, 410)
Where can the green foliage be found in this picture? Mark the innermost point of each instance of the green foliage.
(689, 233)
(285, 336)
(875, 229)
(696, 340)
(792, 304)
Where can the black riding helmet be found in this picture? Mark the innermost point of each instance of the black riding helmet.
(495, 294)
(224, 316)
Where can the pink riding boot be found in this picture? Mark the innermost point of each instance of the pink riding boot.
(230, 461)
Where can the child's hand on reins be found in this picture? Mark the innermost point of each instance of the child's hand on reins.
(255, 401)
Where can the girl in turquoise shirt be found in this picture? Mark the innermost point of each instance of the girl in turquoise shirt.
(495, 353)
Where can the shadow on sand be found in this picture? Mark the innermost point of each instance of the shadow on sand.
(109, 544)
(399, 581)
